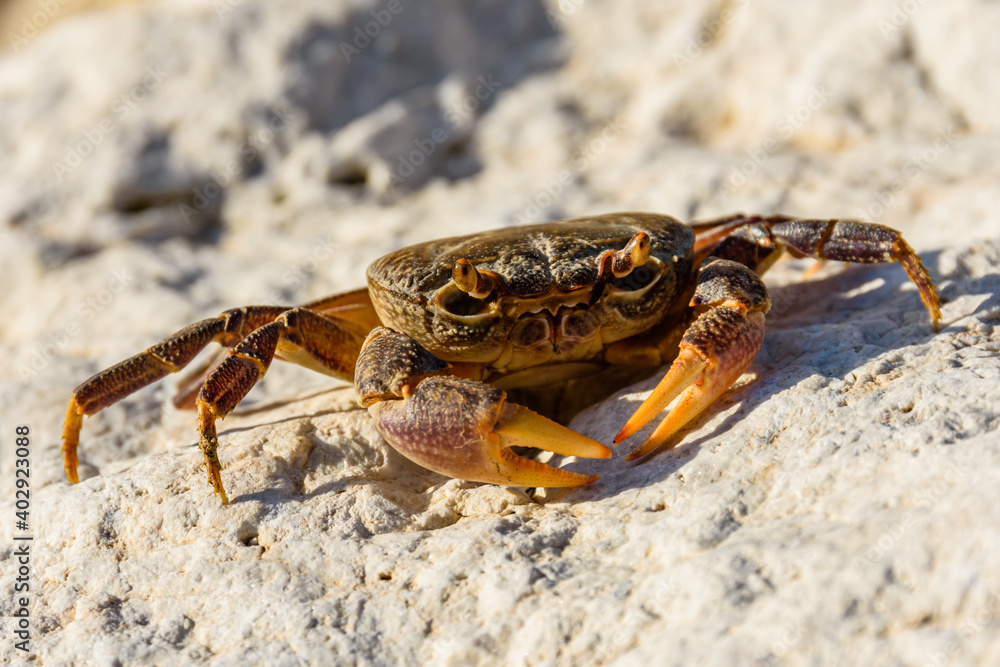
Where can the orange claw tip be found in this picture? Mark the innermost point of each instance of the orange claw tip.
(683, 372)
(514, 470)
(520, 427)
(627, 430)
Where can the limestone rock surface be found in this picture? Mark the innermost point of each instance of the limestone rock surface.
(162, 162)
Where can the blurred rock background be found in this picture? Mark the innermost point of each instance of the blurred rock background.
(160, 162)
(23, 19)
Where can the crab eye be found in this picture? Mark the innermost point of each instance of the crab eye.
(456, 302)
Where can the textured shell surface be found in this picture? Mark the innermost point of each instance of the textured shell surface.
(531, 259)
(551, 266)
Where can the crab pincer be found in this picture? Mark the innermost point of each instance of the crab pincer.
(715, 351)
(457, 426)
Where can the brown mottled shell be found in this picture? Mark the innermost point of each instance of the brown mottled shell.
(550, 258)
(532, 259)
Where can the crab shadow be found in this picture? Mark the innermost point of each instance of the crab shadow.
(416, 502)
(824, 302)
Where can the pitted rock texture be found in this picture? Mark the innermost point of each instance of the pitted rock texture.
(165, 161)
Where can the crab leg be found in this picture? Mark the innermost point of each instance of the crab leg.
(715, 351)
(299, 335)
(456, 426)
(758, 241)
(354, 306)
(352, 310)
(168, 356)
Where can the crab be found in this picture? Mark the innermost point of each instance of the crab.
(446, 328)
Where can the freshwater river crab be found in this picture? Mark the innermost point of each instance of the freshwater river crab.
(446, 327)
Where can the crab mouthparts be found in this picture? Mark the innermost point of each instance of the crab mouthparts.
(560, 331)
(553, 303)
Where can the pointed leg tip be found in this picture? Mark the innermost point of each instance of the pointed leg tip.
(70, 463)
(220, 491)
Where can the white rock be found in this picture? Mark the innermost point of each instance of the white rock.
(837, 507)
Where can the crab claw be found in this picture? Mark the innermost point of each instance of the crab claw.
(459, 427)
(715, 351)
(466, 429)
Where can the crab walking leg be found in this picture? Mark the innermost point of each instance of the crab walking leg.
(715, 351)
(759, 241)
(456, 426)
(190, 385)
(299, 335)
(708, 233)
(355, 306)
(168, 356)
(862, 243)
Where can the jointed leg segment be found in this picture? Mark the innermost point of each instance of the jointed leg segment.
(721, 343)
(256, 335)
(168, 356)
(757, 242)
(300, 335)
